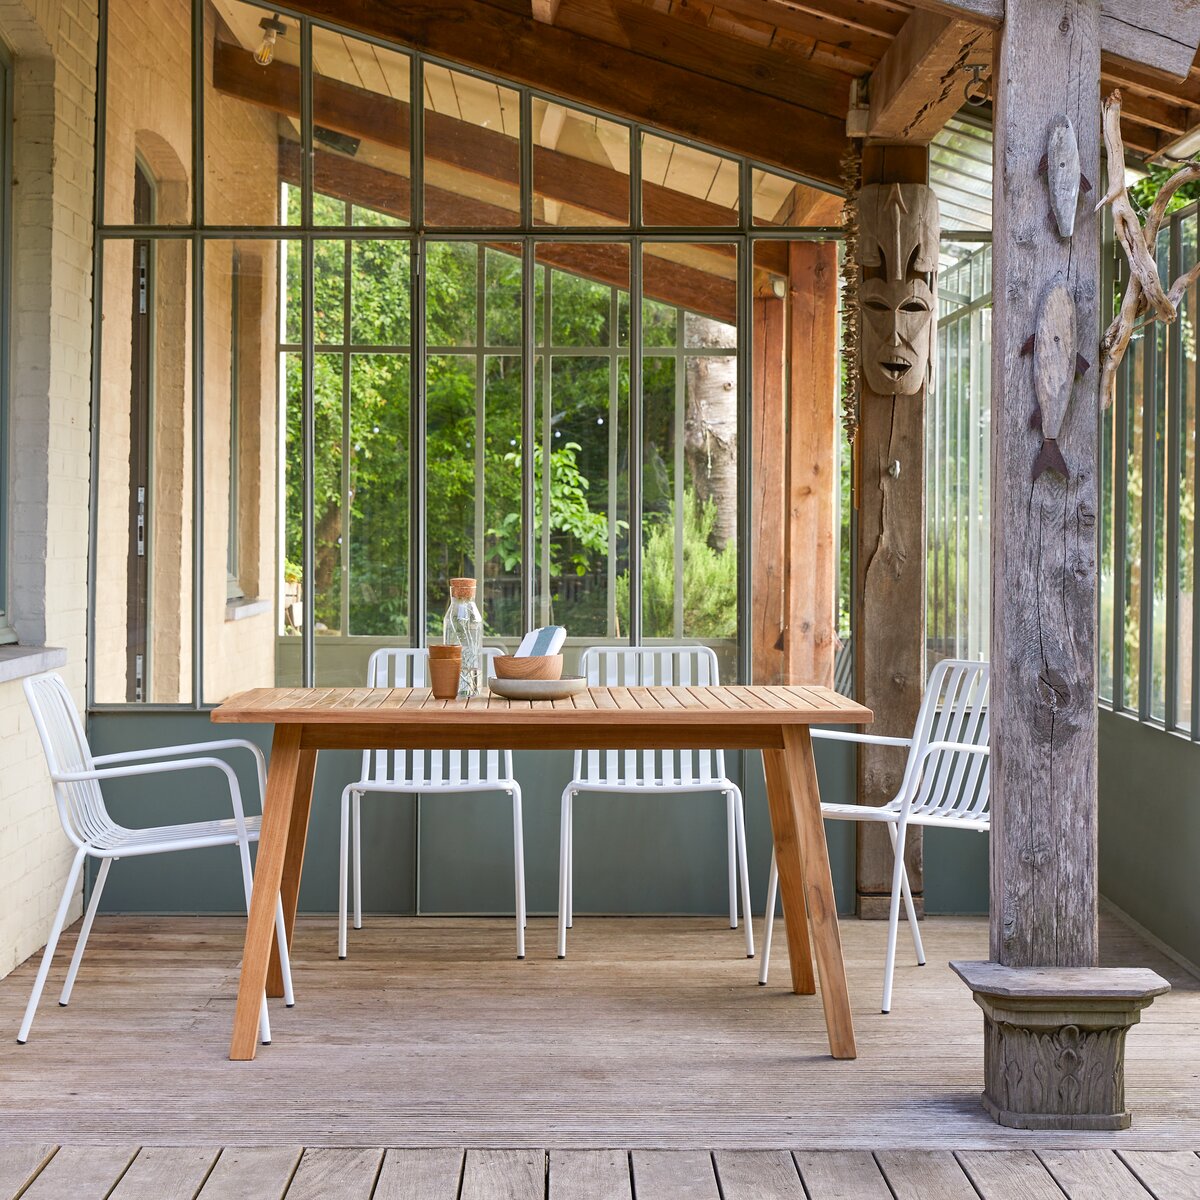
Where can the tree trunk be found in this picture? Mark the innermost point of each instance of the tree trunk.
(710, 423)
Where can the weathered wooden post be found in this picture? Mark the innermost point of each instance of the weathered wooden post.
(1054, 1023)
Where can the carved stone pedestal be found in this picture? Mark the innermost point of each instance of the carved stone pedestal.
(1054, 1041)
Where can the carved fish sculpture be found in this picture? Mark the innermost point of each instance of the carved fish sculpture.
(1055, 363)
(1061, 165)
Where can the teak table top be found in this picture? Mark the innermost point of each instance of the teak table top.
(691, 717)
(772, 719)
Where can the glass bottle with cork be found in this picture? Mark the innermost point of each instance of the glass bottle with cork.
(463, 627)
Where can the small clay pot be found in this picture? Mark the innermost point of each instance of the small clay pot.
(445, 666)
(528, 666)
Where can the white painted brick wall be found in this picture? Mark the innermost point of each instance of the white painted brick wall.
(54, 42)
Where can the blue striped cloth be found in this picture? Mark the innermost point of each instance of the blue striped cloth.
(546, 640)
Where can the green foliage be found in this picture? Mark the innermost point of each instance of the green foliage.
(1143, 192)
(709, 576)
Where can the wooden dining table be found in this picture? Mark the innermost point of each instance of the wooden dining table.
(775, 720)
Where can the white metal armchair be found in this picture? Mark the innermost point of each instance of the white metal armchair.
(946, 782)
(652, 772)
(422, 773)
(76, 775)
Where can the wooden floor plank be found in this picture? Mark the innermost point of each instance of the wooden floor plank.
(420, 1175)
(841, 1175)
(1168, 1174)
(326, 1172)
(1092, 1175)
(925, 1175)
(80, 1173)
(19, 1163)
(261, 1172)
(590, 1175)
(1009, 1175)
(166, 1173)
(504, 1175)
(758, 1175)
(674, 1175)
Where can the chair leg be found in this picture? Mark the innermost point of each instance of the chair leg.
(84, 931)
(571, 863)
(564, 879)
(285, 955)
(48, 954)
(343, 873)
(519, 869)
(731, 840)
(357, 802)
(889, 965)
(909, 907)
(769, 924)
(744, 869)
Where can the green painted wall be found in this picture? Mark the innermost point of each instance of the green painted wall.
(665, 855)
(1150, 829)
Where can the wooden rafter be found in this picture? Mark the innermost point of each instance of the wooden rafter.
(747, 103)
(546, 10)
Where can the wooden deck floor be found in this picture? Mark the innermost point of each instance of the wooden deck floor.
(278, 1172)
(652, 1035)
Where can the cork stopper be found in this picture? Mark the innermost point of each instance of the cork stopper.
(462, 589)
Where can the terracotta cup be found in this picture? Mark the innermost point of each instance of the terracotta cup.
(445, 666)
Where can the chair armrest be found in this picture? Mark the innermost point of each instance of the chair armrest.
(954, 748)
(260, 760)
(164, 768)
(869, 739)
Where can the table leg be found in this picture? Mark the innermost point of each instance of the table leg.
(268, 874)
(293, 862)
(822, 908)
(791, 871)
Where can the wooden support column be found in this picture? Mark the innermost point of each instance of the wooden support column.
(794, 419)
(1054, 1023)
(889, 640)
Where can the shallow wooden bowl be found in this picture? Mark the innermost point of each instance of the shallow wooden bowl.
(530, 666)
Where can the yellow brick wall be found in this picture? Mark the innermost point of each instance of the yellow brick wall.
(54, 45)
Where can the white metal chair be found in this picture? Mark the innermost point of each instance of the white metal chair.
(947, 782)
(421, 773)
(652, 772)
(76, 775)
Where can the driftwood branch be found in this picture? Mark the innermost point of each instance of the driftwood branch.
(1145, 295)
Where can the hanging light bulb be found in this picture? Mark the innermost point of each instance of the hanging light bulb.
(272, 27)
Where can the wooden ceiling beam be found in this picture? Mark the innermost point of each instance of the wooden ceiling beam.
(546, 10)
(680, 99)
(918, 85)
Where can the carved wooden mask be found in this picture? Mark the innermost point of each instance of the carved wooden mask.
(898, 259)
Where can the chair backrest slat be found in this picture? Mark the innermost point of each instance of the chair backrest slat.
(81, 807)
(954, 709)
(389, 668)
(650, 666)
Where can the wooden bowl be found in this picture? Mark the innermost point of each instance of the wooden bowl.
(530, 666)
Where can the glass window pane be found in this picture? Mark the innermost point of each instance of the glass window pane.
(473, 433)
(361, 131)
(378, 499)
(1133, 371)
(690, 399)
(148, 75)
(143, 572)
(291, 569)
(580, 167)
(1185, 581)
(581, 500)
(241, 399)
(780, 201)
(684, 186)
(472, 151)
(379, 296)
(251, 115)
